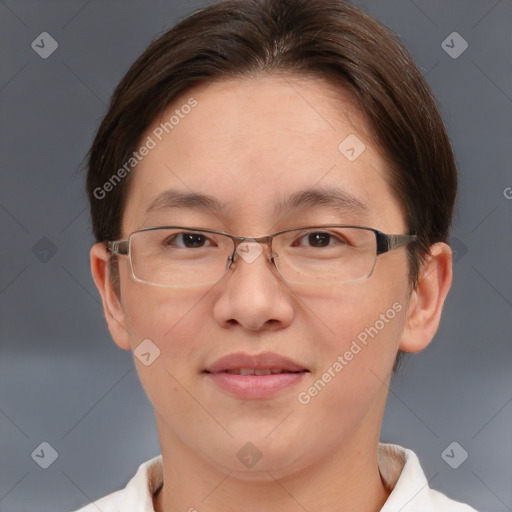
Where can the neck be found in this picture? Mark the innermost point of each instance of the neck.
(347, 480)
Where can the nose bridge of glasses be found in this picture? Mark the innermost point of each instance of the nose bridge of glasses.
(249, 249)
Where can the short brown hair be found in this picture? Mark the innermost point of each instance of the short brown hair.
(329, 39)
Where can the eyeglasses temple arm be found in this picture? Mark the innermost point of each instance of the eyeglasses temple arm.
(387, 243)
(120, 247)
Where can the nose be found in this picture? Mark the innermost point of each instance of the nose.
(253, 295)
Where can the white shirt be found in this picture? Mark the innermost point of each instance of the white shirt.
(399, 467)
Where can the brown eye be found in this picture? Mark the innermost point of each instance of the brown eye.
(320, 239)
(187, 240)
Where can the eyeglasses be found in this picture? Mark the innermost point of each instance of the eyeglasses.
(184, 257)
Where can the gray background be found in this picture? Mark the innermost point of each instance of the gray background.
(63, 381)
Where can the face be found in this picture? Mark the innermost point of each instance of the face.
(251, 144)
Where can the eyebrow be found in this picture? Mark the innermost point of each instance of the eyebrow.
(304, 199)
(323, 197)
(190, 200)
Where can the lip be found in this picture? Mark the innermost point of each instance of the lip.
(262, 361)
(255, 386)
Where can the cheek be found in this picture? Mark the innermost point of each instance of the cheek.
(172, 320)
(356, 329)
(362, 311)
(350, 388)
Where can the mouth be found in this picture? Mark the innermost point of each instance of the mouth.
(265, 363)
(254, 371)
(259, 376)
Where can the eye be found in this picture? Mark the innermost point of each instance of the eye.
(187, 240)
(320, 239)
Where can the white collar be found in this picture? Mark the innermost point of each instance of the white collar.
(399, 468)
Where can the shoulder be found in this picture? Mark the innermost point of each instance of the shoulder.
(110, 503)
(137, 496)
(409, 488)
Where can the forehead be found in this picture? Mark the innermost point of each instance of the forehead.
(251, 144)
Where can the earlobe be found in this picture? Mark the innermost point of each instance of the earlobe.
(427, 299)
(112, 308)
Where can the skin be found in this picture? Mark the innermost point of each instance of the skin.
(249, 143)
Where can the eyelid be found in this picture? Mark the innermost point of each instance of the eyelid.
(174, 236)
(334, 236)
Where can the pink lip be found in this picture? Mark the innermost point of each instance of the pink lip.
(261, 361)
(255, 386)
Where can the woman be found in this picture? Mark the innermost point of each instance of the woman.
(271, 193)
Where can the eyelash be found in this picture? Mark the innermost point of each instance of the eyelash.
(333, 237)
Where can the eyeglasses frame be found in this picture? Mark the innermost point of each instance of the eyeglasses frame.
(384, 242)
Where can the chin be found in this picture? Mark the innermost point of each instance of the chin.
(254, 460)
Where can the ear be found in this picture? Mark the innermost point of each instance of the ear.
(114, 314)
(427, 299)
